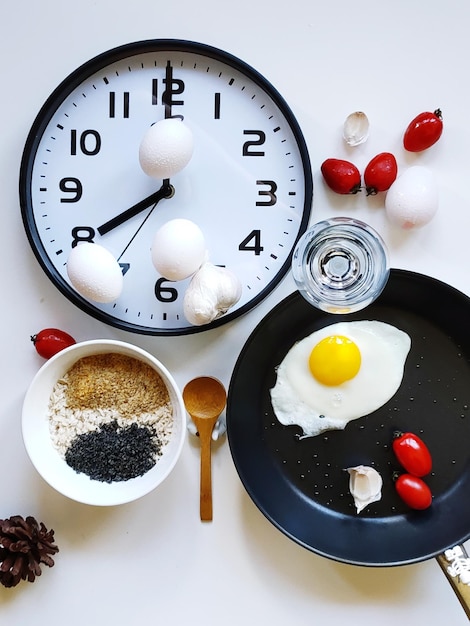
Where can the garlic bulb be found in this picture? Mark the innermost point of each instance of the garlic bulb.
(211, 293)
(365, 485)
(356, 128)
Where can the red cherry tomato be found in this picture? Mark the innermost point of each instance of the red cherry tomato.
(50, 341)
(341, 176)
(412, 453)
(380, 173)
(423, 131)
(413, 491)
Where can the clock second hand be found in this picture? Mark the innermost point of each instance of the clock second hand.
(136, 233)
(165, 191)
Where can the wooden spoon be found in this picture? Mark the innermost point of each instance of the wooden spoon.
(205, 398)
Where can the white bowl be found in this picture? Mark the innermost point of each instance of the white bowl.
(47, 460)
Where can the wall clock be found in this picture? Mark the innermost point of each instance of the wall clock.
(248, 185)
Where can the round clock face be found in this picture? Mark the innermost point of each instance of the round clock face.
(248, 185)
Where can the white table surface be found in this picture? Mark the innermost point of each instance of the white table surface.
(153, 561)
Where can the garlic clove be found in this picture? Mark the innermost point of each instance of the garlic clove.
(211, 293)
(365, 485)
(356, 128)
(229, 289)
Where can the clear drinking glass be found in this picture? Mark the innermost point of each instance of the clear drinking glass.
(340, 265)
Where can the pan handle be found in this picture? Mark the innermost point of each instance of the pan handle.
(455, 563)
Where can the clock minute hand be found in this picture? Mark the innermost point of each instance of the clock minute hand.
(165, 191)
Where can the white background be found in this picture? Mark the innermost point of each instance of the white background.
(153, 561)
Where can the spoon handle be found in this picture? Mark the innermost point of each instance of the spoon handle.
(205, 502)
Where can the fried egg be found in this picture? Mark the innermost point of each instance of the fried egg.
(339, 373)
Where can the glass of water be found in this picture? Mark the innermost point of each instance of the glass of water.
(340, 265)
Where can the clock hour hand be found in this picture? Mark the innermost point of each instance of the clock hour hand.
(166, 191)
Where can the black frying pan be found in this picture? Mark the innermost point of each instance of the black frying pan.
(300, 484)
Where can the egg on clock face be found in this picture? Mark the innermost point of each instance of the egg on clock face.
(339, 373)
(94, 272)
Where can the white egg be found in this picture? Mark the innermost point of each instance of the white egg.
(298, 398)
(94, 272)
(166, 148)
(413, 199)
(178, 249)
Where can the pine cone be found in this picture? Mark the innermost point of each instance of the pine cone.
(24, 545)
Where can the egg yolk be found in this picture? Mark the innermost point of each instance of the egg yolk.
(334, 360)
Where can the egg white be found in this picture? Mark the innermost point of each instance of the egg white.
(298, 398)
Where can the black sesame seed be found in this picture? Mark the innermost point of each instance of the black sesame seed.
(113, 454)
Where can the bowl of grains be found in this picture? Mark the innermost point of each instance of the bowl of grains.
(103, 422)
